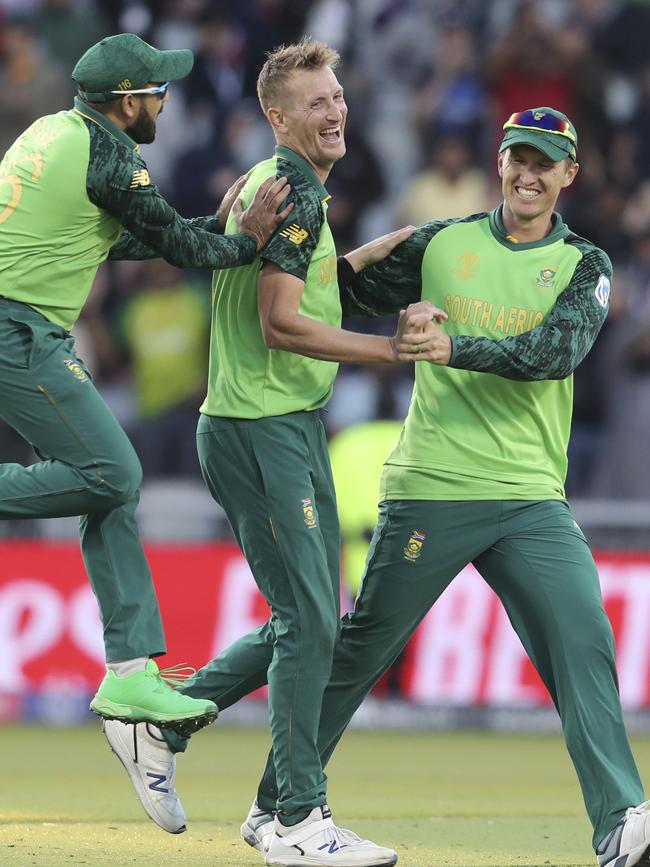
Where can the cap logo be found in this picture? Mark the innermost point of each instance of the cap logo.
(124, 85)
(539, 115)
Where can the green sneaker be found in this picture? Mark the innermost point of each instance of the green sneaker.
(147, 696)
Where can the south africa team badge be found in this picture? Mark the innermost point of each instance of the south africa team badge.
(308, 512)
(414, 546)
(76, 369)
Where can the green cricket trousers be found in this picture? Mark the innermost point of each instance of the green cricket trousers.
(536, 559)
(272, 476)
(88, 467)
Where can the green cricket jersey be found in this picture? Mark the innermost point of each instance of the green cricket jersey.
(495, 423)
(68, 186)
(246, 378)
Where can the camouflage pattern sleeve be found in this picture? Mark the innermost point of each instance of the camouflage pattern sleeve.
(118, 182)
(396, 281)
(555, 348)
(292, 246)
(129, 247)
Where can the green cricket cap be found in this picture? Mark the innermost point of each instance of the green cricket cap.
(547, 129)
(126, 62)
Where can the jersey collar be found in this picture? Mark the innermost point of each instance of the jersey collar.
(303, 167)
(85, 110)
(500, 232)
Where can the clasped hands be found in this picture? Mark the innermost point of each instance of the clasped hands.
(419, 337)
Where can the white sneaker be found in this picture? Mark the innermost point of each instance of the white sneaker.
(317, 841)
(629, 842)
(151, 765)
(258, 828)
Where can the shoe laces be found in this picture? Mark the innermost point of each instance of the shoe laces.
(641, 808)
(176, 675)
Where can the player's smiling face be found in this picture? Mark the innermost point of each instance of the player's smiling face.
(532, 182)
(312, 121)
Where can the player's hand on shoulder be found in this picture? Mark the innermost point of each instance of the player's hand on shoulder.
(378, 249)
(229, 199)
(262, 217)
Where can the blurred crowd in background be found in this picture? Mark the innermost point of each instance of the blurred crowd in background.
(429, 84)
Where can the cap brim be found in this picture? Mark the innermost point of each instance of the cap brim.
(174, 64)
(555, 147)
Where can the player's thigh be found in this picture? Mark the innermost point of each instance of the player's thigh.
(47, 395)
(543, 570)
(260, 474)
(417, 549)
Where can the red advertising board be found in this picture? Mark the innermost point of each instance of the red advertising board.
(465, 651)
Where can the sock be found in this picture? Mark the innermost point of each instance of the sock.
(128, 666)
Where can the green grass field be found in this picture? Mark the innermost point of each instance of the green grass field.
(452, 799)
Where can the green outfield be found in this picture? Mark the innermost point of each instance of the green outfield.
(458, 800)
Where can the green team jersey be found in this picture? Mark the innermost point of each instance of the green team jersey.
(69, 185)
(247, 379)
(495, 423)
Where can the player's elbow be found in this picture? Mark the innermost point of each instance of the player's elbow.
(275, 331)
(272, 338)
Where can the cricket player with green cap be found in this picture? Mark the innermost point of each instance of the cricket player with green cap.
(75, 191)
(477, 475)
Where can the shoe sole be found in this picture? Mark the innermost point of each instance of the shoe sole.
(311, 862)
(138, 785)
(127, 713)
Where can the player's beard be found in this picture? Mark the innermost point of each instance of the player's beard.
(143, 128)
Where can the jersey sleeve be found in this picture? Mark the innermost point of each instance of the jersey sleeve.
(555, 348)
(293, 245)
(118, 182)
(130, 247)
(389, 285)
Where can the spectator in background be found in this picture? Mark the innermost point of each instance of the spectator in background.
(164, 331)
(391, 59)
(356, 183)
(242, 141)
(532, 63)
(451, 185)
(358, 454)
(215, 84)
(267, 24)
(66, 32)
(451, 100)
(623, 466)
(31, 83)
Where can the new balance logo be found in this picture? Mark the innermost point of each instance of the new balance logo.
(157, 785)
(294, 233)
(140, 179)
(331, 847)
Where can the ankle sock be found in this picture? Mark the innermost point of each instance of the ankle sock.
(128, 666)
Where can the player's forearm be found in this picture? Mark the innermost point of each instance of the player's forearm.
(363, 294)
(540, 354)
(152, 222)
(306, 336)
(185, 246)
(129, 247)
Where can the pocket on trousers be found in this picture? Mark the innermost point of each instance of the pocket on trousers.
(20, 344)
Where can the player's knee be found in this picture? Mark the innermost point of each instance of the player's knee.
(324, 632)
(120, 478)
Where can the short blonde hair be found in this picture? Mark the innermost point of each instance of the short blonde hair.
(280, 63)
